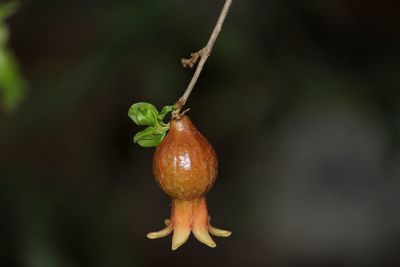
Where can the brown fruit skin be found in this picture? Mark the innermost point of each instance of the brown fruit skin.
(185, 164)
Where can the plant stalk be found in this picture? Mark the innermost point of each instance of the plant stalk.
(205, 53)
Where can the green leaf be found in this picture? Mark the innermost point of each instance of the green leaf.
(143, 114)
(161, 127)
(164, 112)
(152, 141)
(148, 138)
(142, 134)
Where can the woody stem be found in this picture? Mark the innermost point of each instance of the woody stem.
(206, 51)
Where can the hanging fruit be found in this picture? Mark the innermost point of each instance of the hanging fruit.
(185, 164)
(185, 167)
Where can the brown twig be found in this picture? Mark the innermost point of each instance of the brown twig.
(203, 54)
(194, 57)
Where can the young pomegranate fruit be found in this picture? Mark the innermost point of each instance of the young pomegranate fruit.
(185, 166)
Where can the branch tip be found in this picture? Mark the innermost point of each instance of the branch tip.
(194, 57)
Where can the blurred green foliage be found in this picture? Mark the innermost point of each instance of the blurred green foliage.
(12, 85)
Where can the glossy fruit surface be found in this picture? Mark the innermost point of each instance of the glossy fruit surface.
(185, 164)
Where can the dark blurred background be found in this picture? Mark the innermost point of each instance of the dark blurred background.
(300, 99)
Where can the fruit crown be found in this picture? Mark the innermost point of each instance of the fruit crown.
(146, 114)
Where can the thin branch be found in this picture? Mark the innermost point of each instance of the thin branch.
(205, 53)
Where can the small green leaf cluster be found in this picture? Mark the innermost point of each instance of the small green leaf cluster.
(146, 114)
